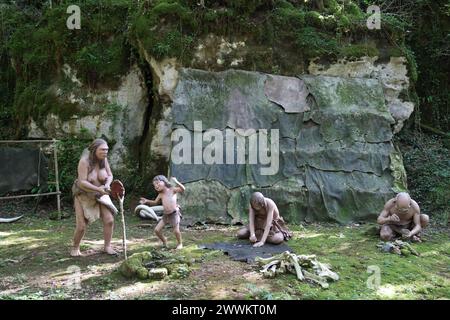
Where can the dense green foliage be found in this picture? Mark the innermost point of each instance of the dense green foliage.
(426, 26)
(171, 27)
(36, 42)
(430, 40)
(69, 153)
(427, 162)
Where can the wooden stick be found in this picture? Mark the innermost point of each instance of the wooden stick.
(30, 195)
(124, 235)
(58, 196)
(28, 141)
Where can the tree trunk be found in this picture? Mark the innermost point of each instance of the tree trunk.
(319, 5)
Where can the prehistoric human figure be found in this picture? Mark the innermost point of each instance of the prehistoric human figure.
(401, 216)
(265, 223)
(167, 196)
(91, 195)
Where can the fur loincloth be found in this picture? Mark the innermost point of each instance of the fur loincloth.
(90, 202)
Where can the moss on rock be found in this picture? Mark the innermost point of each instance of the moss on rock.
(398, 172)
(155, 265)
(179, 271)
(134, 266)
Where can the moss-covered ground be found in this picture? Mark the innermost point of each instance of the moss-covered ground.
(35, 264)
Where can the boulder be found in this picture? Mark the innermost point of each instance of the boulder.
(134, 266)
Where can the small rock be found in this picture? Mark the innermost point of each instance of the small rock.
(388, 247)
(142, 273)
(157, 273)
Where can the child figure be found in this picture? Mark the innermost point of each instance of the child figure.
(167, 195)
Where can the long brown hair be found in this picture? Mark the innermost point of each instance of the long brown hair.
(163, 179)
(93, 160)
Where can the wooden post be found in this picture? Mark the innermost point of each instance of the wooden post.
(58, 196)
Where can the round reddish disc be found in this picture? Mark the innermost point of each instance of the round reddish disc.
(117, 189)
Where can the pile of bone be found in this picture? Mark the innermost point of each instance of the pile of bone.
(305, 267)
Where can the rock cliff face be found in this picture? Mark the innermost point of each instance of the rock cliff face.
(117, 115)
(319, 144)
(331, 137)
(392, 75)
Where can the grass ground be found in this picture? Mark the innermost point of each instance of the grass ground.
(35, 264)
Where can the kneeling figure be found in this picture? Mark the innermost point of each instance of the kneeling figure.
(265, 222)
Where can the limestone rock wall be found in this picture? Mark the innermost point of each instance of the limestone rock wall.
(118, 115)
(393, 76)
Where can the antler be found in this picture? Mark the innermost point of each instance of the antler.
(8, 220)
